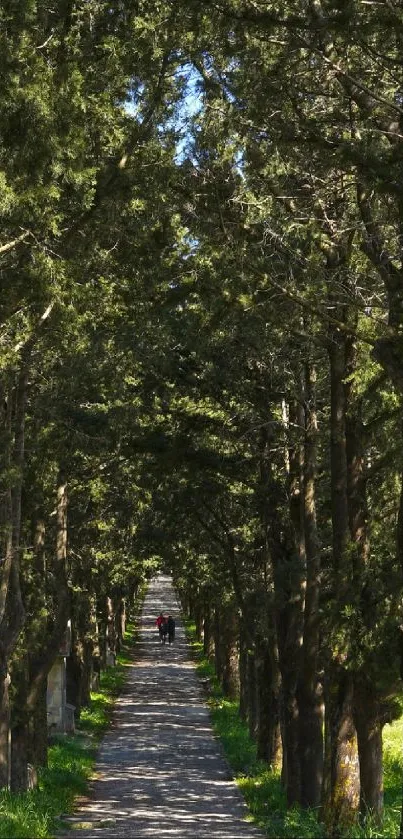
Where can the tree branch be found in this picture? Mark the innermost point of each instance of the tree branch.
(10, 245)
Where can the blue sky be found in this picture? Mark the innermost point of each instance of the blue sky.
(190, 105)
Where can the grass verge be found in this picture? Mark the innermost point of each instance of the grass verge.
(38, 814)
(262, 788)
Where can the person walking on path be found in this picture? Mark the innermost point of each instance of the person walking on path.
(160, 771)
(161, 622)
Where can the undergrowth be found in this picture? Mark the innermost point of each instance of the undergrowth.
(37, 814)
(262, 788)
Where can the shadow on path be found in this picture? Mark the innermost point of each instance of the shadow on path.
(160, 771)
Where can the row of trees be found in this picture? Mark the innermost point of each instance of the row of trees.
(80, 203)
(201, 359)
(293, 298)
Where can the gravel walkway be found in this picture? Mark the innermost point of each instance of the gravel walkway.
(160, 771)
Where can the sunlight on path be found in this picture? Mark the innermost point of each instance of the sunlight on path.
(160, 771)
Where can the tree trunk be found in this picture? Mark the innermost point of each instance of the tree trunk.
(268, 707)
(208, 639)
(19, 723)
(342, 800)
(289, 577)
(218, 663)
(19, 758)
(19, 720)
(338, 465)
(102, 640)
(341, 804)
(286, 550)
(229, 656)
(310, 700)
(311, 717)
(198, 614)
(5, 584)
(290, 739)
(38, 722)
(80, 662)
(111, 630)
(79, 674)
(399, 555)
(4, 723)
(12, 613)
(38, 732)
(190, 602)
(367, 702)
(121, 622)
(87, 671)
(252, 694)
(243, 674)
(369, 733)
(32, 711)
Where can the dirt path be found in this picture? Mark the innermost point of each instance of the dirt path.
(160, 771)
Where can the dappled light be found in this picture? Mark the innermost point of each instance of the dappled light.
(160, 769)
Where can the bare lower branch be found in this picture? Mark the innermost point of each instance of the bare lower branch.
(10, 245)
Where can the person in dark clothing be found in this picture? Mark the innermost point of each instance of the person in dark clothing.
(171, 629)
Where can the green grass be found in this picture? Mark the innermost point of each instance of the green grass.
(38, 813)
(393, 776)
(262, 788)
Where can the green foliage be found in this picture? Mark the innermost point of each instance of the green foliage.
(190, 289)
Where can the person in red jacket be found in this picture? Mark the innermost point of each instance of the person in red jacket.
(161, 622)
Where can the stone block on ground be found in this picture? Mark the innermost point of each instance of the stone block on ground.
(95, 681)
(110, 658)
(56, 695)
(69, 724)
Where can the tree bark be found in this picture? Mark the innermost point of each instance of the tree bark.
(120, 622)
(208, 639)
(229, 638)
(243, 674)
(310, 700)
(19, 758)
(289, 577)
(268, 737)
(218, 664)
(290, 729)
(198, 616)
(4, 722)
(252, 694)
(12, 612)
(14, 606)
(367, 700)
(286, 551)
(226, 649)
(399, 555)
(4, 674)
(42, 664)
(38, 732)
(80, 662)
(19, 723)
(102, 631)
(28, 718)
(341, 802)
(368, 722)
(111, 629)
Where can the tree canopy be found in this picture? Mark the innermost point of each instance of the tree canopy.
(201, 360)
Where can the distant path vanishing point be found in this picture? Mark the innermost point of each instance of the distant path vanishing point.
(160, 771)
